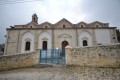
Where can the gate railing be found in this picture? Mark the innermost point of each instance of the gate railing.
(54, 56)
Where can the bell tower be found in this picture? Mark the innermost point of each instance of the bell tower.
(34, 18)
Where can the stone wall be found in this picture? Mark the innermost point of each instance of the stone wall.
(19, 60)
(97, 56)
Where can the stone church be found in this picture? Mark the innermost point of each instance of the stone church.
(32, 36)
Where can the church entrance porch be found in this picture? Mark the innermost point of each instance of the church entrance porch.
(52, 56)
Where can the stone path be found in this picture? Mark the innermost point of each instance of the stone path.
(61, 73)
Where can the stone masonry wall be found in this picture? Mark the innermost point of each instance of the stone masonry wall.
(97, 56)
(19, 60)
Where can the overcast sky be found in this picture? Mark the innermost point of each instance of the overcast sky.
(54, 10)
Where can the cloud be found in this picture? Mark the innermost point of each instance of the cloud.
(56, 9)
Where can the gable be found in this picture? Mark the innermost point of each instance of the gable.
(96, 24)
(81, 25)
(45, 25)
(31, 25)
(63, 24)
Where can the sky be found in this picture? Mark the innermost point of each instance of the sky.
(20, 12)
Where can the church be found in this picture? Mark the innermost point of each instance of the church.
(32, 36)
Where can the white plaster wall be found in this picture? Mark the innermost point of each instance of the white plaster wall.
(65, 37)
(66, 34)
(102, 36)
(45, 36)
(85, 34)
(27, 35)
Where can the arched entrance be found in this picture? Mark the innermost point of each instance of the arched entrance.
(64, 44)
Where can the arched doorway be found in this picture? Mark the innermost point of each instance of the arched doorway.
(64, 44)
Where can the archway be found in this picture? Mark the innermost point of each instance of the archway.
(64, 44)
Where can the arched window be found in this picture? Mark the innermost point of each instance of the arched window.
(34, 19)
(85, 43)
(97, 25)
(44, 45)
(45, 26)
(63, 26)
(27, 46)
(81, 26)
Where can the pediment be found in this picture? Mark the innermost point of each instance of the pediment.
(44, 39)
(84, 38)
(62, 22)
(45, 25)
(64, 36)
(94, 24)
(27, 39)
(31, 25)
(82, 24)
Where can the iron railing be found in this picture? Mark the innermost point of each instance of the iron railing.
(53, 56)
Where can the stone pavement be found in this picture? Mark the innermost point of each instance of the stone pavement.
(56, 72)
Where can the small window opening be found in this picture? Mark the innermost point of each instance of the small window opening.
(30, 26)
(34, 19)
(85, 43)
(97, 26)
(45, 26)
(81, 26)
(113, 37)
(27, 46)
(63, 26)
(44, 45)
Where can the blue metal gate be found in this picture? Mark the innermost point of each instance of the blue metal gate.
(52, 56)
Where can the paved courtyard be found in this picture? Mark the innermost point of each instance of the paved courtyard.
(61, 73)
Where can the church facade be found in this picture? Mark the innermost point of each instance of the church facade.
(33, 36)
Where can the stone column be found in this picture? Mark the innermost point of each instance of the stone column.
(36, 40)
(94, 37)
(77, 38)
(116, 40)
(52, 38)
(38, 55)
(68, 55)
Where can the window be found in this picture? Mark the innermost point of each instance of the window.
(97, 26)
(63, 26)
(85, 43)
(45, 26)
(34, 19)
(113, 37)
(81, 26)
(44, 45)
(30, 26)
(27, 46)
